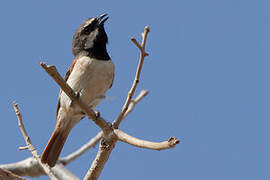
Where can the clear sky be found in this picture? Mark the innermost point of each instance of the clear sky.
(208, 76)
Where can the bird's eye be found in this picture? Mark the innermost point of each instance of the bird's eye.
(87, 29)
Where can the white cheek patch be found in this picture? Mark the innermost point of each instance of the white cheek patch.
(90, 39)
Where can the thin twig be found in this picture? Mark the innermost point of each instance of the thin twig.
(31, 148)
(7, 175)
(122, 136)
(23, 148)
(132, 104)
(137, 44)
(144, 36)
(143, 54)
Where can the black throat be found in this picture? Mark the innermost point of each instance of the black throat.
(99, 52)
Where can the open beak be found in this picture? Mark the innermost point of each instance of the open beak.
(102, 18)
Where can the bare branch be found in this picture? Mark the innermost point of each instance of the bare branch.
(31, 148)
(145, 144)
(144, 36)
(137, 44)
(143, 54)
(6, 175)
(63, 173)
(31, 168)
(83, 149)
(27, 167)
(102, 156)
(104, 125)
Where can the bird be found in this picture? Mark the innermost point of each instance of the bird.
(90, 75)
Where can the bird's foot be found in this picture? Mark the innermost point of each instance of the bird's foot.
(97, 114)
(77, 95)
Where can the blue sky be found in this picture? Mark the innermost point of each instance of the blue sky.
(207, 73)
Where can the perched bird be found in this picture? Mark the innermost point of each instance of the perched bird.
(90, 75)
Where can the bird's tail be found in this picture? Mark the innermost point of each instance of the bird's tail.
(55, 145)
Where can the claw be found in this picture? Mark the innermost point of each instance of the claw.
(97, 114)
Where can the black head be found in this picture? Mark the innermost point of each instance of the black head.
(90, 39)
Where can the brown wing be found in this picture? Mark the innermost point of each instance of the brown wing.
(66, 78)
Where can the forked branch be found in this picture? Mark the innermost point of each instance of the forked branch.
(143, 54)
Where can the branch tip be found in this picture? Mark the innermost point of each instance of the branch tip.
(173, 141)
(145, 92)
(147, 29)
(124, 137)
(43, 64)
(23, 148)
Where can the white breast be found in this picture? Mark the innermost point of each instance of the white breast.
(91, 78)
